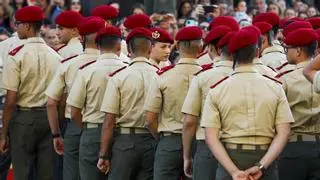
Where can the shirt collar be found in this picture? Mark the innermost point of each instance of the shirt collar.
(153, 62)
(245, 69)
(271, 49)
(257, 61)
(139, 59)
(224, 63)
(302, 64)
(74, 40)
(188, 61)
(108, 56)
(35, 40)
(91, 51)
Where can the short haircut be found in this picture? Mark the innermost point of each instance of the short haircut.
(270, 37)
(139, 45)
(189, 46)
(224, 50)
(310, 49)
(108, 42)
(245, 55)
(36, 26)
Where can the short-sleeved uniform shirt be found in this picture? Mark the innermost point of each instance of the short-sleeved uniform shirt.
(89, 87)
(29, 72)
(204, 59)
(273, 56)
(167, 93)
(74, 47)
(263, 69)
(246, 108)
(126, 93)
(63, 79)
(303, 101)
(199, 88)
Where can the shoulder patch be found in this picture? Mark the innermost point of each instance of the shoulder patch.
(204, 68)
(220, 81)
(281, 66)
(283, 73)
(59, 48)
(202, 53)
(273, 79)
(87, 64)
(67, 59)
(15, 50)
(116, 71)
(272, 68)
(164, 69)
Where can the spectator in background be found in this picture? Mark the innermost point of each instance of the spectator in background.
(240, 9)
(17, 4)
(274, 8)
(290, 13)
(115, 5)
(312, 11)
(260, 5)
(54, 9)
(138, 8)
(51, 38)
(282, 4)
(75, 5)
(223, 8)
(303, 15)
(184, 10)
(5, 18)
(4, 34)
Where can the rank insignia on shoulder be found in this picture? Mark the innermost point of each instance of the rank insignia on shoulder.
(205, 67)
(87, 64)
(220, 81)
(67, 59)
(273, 79)
(165, 69)
(283, 73)
(15, 50)
(116, 71)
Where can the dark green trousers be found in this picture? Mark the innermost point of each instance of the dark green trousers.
(132, 157)
(205, 164)
(169, 159)
(71, 142)
(245, 159)
(300, 161)
(89, 154)
(31, 145)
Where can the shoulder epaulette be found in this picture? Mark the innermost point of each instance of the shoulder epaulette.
(125, 62)
(59, 48)
(87, 64)
(164, 69)
(67, 59)
(283, 65)
(273, 79)
(202, 53)
(220, 81)
(116, 71)
(272, 68)
(15, 50)
(156, 67)
(283, 73)
(204, 68)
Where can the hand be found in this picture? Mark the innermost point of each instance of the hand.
(240, 175)
(104, 165)
(58, 145)
(4, 145)
(254, 172)
(187, 167)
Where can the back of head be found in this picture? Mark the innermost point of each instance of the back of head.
(139, 42)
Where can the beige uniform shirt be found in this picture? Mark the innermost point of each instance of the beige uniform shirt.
(204, 59)
(199, 88)
(304, 102)
(273, 57)
(161, 64)
(74, 47)
(316, 82)
(126, 93)
(29, 72)
(63, 79)
(263, 69)
(167, 93)
(154, 63)
(246, 107)
(89, 87)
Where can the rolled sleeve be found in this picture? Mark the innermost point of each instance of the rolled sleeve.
(153, 101)
(193, 101)
(11, 75)
(77, 95)
(283, 114)
(210, 116)
(111, 99)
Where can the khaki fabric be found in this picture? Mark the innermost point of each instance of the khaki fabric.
(304, 102)
(199, 88)
(263, 69)
(167, 93)
(246, 107)
(30, 71)
(74, 47)
(273, 57)
(126, 93)
(89, 87)
(204, 59)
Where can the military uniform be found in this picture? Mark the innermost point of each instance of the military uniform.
(285, 67)
(28, 72)
(204, 59)
(60, 84)
(74, 47)
(221, 111)
(204, 164)
(304, 144)
(273, 57)
(263, 69)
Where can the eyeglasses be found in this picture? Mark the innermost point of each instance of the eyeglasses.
(17, 23)
(286, 48)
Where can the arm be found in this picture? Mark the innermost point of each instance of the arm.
(9, 108)
(52, 112)
(310, 70)
(152, 123)
(76, 116)
(62, 107)
(189, 132)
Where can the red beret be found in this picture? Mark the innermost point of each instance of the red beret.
(29, 14)
(263, 27)
(296, 25)
(226, 39)
(137, 20)
(270, 18)
(161, 35)
(297, 19)
(105, 12)
(253, 29)
(242, 39)
(69, 19)
(315, 22)
(225, 20)
(139, 32)
(217, 32)
(91, 25)
(301, 37)
(283, 23)
(108, 31)
(189, 33)
(318, 32)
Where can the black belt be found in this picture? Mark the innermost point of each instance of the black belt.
(31, 108)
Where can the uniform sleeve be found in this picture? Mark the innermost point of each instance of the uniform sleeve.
(283, 114)
(316, 82)
(193, 101)
(77, 95)
(111, 99)
(11, 75)
(57, 85)
(153, 101)
(284, 85)
(210, 116)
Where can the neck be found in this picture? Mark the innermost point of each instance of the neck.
(91, 46)
(32, 35)
(192, 56)
(155, 59)
(302, 60)
(107, 52)
(139, 55)
(243, 64)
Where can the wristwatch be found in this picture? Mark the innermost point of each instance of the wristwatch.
(261, 167)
